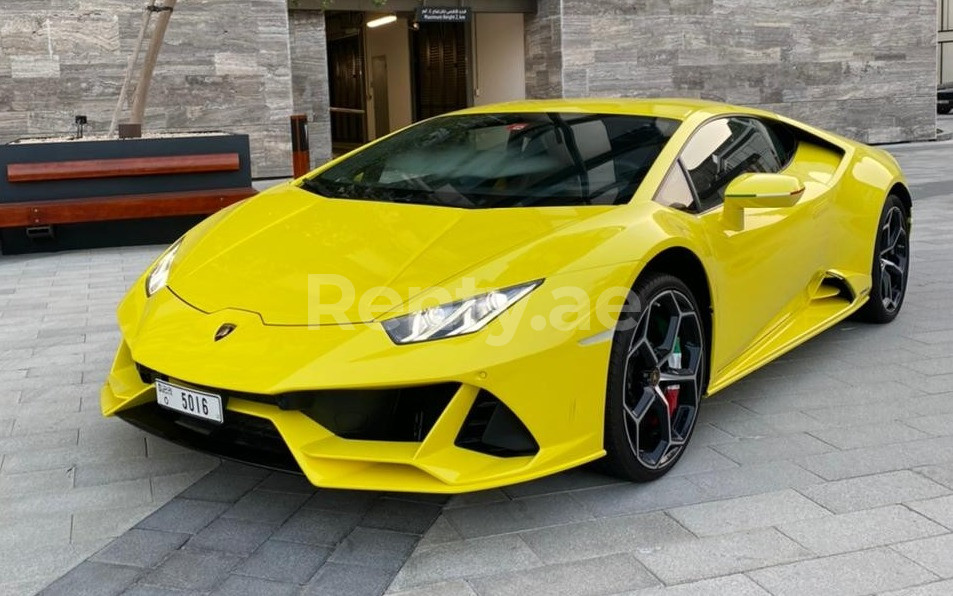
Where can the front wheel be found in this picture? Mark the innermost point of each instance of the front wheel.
(891, 264)
(656, 379)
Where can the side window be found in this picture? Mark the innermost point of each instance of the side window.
(722, 150)
(675, 191)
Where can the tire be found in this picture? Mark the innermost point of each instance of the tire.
(652, 397)
(891, 264)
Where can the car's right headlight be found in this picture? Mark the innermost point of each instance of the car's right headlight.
(457, 318)
(159, 276)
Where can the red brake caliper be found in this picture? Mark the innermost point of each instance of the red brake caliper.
(671, 397)
(675, 363)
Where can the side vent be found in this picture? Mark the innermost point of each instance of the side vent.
(493, 429)
(833, 286)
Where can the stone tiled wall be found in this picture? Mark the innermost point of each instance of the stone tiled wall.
(544, 66)
(865, 68)
(309, 68)
(225, 66)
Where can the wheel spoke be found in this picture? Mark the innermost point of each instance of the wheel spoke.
(679, 377)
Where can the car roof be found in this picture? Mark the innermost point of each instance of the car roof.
(676, 108)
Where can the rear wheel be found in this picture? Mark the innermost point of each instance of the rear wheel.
(891, 264)
(656, 379)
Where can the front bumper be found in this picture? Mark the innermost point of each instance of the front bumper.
(552, 381)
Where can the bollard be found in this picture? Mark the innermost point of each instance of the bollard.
(300, 151)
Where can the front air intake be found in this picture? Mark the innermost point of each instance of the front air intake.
(493, 428)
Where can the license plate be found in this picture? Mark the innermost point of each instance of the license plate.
(189, 401)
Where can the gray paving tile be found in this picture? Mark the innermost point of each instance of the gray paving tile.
(440, 532)
(558, 483)
(940, 588)
(604, 536)
(240, 469)
(941, 474)
(753, 479)
(221, 486)
(344, 501)
(937, 425)
(627, 499)
(121, 494)
(734, 585)
(604, 575)
(97, 474)
(286, 562)
(288, 483)
(698, 460)
(861, 572)
(513, 516)
(381, 549)
(483, 497)
(861, 530)
(747, 513)
(232, 536)
(93, 579)
(192, 569)
(317, 527)
(870, 435)
(140, 548)
(184, 515)
(239, 585)
(751, 451)
(939, 510)
(721, 555)
(335, 579)
(35, 530)
(932, 553)
(266, 507)
(468, 558)
(868, 492)
(457, 587)
(108, 523)
(401, 516)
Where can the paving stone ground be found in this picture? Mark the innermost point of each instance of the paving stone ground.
(828, 472)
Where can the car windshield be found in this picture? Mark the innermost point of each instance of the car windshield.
(486, 161)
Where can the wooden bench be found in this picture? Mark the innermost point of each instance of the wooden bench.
(36, 213)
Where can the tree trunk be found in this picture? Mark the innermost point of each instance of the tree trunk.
(148, 67)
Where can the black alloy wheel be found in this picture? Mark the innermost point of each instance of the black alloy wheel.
(656, 380)
(891, 264)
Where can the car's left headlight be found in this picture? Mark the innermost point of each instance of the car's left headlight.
(455, 318)
(159, 276)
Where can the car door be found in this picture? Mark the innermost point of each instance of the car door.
(761, 269)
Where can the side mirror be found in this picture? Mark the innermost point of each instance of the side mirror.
(759, 191)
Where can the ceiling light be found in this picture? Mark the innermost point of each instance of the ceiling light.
(385, 20)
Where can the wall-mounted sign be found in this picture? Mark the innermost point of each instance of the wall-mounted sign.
(443, 14)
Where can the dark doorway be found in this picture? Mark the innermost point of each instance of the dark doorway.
(346, 85)
(440, 85)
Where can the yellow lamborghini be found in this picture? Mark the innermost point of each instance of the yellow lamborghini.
(505, 292)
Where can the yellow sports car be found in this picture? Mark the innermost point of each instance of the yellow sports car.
(509, 291)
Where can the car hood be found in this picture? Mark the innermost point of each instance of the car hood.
(285, 253)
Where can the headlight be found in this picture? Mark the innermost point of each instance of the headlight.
(456, 318)
(159, 276)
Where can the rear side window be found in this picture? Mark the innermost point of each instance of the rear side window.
(784, 141)
(722, 150)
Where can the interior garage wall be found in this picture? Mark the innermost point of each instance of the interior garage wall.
(500, 73)
(864, 68)
(225, 66)
(309, 70)
(393, 43)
